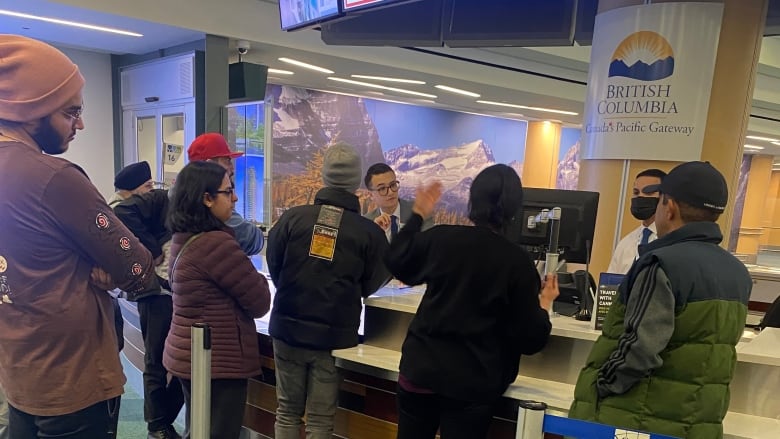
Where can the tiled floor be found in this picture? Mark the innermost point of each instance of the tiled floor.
(131, 412)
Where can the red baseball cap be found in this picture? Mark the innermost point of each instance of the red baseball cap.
(209, 146)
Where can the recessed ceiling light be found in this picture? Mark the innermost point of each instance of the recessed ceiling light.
(524, 107)
(766, 139)
(382, 87)
(388, 79)
(69, 23)
(753, 147)
(295, 62)
(280, 72)
(458, 91)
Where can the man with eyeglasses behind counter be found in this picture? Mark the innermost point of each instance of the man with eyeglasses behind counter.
(392, 212)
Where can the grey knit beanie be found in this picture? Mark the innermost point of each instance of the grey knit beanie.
(341, 167)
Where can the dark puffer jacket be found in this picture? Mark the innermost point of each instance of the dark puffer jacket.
(214, 282)
(317, 302)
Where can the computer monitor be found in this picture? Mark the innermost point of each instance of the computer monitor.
(577, 223)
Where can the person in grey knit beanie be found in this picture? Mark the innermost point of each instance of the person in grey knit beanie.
(342, 167)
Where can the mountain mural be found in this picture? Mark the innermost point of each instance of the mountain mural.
(305, 121)
(455, 167)
(663, 68)
(569, 169)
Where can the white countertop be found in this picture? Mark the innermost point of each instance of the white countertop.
(408, 299)
(764, 348)
(558, 396)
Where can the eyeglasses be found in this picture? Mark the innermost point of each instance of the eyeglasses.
(384, 190)
(229, 192)
(74, 113)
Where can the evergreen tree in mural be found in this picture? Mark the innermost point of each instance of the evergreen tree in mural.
(297, 189)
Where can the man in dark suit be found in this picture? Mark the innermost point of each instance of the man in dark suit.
(392, 212)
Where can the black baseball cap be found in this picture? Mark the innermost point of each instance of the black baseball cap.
(697, 184)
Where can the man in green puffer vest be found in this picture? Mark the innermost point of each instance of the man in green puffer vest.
(667, 353)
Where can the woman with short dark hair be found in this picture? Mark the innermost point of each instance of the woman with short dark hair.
(213, 282)
(484, 306)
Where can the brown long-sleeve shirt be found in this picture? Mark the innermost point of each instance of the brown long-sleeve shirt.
(58, 347)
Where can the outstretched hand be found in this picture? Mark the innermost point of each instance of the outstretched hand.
(426, 198)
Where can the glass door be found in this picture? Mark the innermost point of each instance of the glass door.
(173, 144)
(146, 133)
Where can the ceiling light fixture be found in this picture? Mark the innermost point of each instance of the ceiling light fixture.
(280, 72)
(753, 147)
(524, 107)
(382, 87)
(765, 139)
(458, 91)
(388, 79)
(295, 62)
(69, 23)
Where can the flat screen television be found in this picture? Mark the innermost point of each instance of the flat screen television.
(577, 223)
(349, 6)
(519, 23)
(299, 14)
(415, 24)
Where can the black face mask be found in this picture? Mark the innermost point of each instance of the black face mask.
(643, 208)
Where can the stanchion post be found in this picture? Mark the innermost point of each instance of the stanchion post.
(530, 420)
(200, 417)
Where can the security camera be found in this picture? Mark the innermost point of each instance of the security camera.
(243, 47)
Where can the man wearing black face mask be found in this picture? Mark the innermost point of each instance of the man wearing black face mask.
(642, 208)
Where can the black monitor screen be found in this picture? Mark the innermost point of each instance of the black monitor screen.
(577, 224)
(471, 23)
(416, 23)
(358, 5)
(297, 14)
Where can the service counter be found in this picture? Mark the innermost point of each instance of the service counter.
(367, 407)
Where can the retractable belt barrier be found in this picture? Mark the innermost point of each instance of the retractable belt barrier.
(200, 416)
(533, 422)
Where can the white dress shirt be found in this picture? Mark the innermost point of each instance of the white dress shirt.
(627, 250)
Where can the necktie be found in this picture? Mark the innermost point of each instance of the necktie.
(393, 226)
(645, 236)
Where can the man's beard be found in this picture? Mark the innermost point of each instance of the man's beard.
(48, 139)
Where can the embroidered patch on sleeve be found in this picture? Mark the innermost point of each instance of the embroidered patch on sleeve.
(136, 269)
(124, 243)
(101, 221)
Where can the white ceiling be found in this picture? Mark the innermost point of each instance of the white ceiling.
(172, 22)
(155, 36)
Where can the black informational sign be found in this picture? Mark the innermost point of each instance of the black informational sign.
(605, 295)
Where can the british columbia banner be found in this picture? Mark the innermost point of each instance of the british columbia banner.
(651, 69)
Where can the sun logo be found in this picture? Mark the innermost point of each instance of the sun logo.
(644, 56)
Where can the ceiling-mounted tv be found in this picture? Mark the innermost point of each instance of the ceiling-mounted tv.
(360, 5)
(299, 14)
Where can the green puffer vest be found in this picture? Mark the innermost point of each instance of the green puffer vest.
(688, 396)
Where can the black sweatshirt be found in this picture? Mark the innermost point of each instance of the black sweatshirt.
(480, 310)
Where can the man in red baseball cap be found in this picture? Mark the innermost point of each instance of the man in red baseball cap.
(213, 147)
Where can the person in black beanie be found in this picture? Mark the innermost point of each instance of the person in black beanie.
(323, 258)
(131, 180)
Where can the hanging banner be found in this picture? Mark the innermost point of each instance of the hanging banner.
(651, 69)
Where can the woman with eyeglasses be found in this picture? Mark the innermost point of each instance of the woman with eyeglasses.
(484, 307)
(213, 282)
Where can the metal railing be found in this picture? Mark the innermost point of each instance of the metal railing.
(200, 416)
